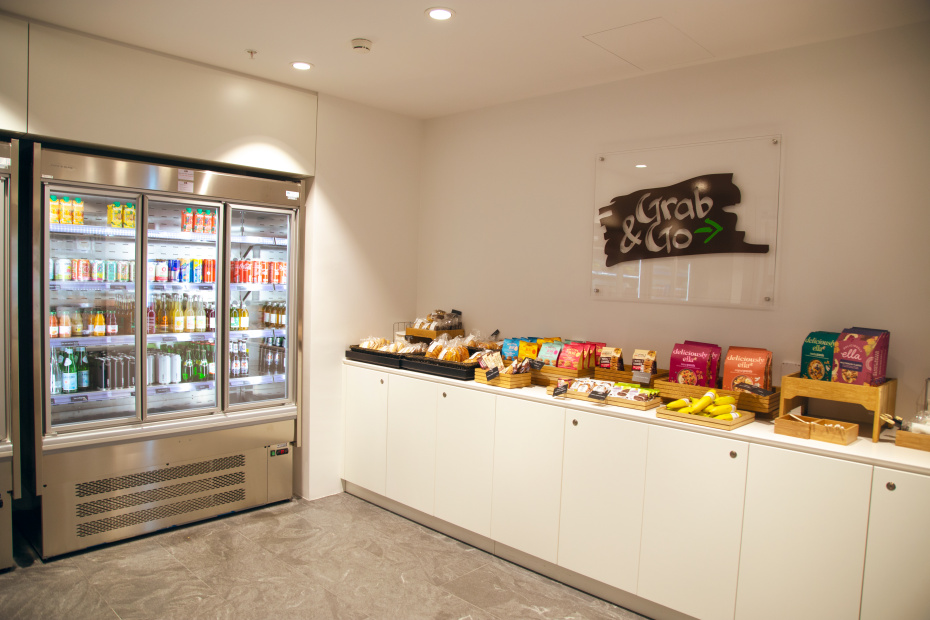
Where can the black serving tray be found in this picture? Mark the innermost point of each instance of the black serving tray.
(440, 368)
(370, 356)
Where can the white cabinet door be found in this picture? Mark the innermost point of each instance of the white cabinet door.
(465, 458)
(365, 406)
(692, 520)
(804, 531)
(411, 442)
(897, 557)
(603, 477)
(527, 476)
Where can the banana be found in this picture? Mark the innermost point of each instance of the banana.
(716, 409)
(705, 401)
(678, 404)
(686, 410)
(725, 400)
(727, 416)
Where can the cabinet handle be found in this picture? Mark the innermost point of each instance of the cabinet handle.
(574, 422)
(891, 486)
(443, 394)
(732, 454)
(382, 381)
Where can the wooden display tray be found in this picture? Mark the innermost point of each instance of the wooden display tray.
(796, 391)
(917, 441)
(821, 432)
(504, 381)
(626, 376)
(619, 402)
(745, 417)
(765, 406)
(786, 425)
(433, 334)
(549, 375)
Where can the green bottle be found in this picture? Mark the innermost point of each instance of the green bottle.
(83, 370)
(187, 367)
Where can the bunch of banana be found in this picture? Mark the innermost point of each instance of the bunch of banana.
(710, 405)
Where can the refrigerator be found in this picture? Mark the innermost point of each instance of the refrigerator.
(165, 301)
(9, 424)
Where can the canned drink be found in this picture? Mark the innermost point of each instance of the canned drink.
(98, 270)
(76, 269)
(150, 270)
(122, 271)
(234, 271)
(245, 268)
(174, 270)
(51, 269)
(185, 270)
(132, 271)
(161, 271)
(63, 269)
(266, 272)
(280, 273)
(209, 270)
(112, 270)
(196, 270)
(84, 270)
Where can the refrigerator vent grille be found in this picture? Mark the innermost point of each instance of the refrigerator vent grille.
(161, 512)
(159, 494)
(107, 485)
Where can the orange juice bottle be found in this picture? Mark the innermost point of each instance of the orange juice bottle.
(100, 323)
(52, 325)
(78, 211)
(54, 210)
(67, 210)
(176, 316)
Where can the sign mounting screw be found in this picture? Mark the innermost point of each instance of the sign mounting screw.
(774, 140)
(251, 53)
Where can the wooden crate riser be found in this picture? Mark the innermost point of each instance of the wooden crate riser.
(762, 406)
(617, 402)
(626, 376)
(727, 425)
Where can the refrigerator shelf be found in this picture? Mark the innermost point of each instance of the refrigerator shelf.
(93, 396)
(84, 229)
(182, 337)
(91, 341)
(257, 287)
(174, 388)
(256, 333)
(70, 285)
(255, 380)
(181, 286)
(254, 240)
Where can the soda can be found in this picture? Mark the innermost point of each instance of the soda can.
(132, 271)
(185, 270)
(280, 273)
(174, 270)
(266, 271)
(122, 271)
(161, 271)
(246, 267)
(76, 269)
(150, 270)
(98, 270)
(112, 270)
(209, 270)
(63, 269)
(234, 271)
(196, 270)
(84, 270)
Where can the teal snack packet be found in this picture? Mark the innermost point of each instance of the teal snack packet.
(817, 355)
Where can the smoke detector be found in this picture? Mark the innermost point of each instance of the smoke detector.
(362, 46)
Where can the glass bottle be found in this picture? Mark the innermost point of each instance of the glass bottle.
(244, 360)
(200, 316)
(243, 317)
(69, 373)
(187, 370)
(150, 318)
(100, 324)
(190, 317)
(211, 318)
(177, 315)
(211, 364)
(54, 375)
(64, 324)
(161, 314)
(234, 360)
(112, 325)
(88, 322)
(282, 315)
(233, 318)
(52, 324)
(77, 324)
(83, 369)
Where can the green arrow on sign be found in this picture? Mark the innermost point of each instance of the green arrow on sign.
(716, 228)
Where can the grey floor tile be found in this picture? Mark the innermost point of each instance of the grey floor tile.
(54, 590)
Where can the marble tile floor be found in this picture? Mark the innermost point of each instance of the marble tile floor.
(334, 558)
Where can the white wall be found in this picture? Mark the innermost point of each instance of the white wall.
(363, 262)
(14, 65)
(514, 184)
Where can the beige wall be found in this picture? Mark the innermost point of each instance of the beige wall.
(516, 184)
(14, 64)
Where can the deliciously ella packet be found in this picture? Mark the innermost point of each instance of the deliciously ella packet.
(747, 365)
(817, 356)
(690, 364)
(861, 356)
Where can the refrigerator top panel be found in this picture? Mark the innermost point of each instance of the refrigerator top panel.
(67, 166)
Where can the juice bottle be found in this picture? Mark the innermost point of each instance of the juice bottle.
(177, 315)
(190, 318)
(161, 315)
(129, 215)
(211, 318)
(115, 212)
(187, 220)
(200, 316)
(198, 221)
(150, 318)
(243, 317)
(100, 323)
(64, 324)
(77, 324)
(52, 325)
(54, 210)
(112, 326)
(67, 210)
(78, 211)
(282, 315)
(88, 321)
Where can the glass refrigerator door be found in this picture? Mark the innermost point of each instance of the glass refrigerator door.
(257, 351)
(90, 353)
(181, 303)
(5, 203)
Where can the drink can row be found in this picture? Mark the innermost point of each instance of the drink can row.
(92, 270)
(192, 270)
(258, 272)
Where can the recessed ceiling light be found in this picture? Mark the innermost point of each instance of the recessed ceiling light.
(440, 13)
(640, 165)
(302, 66)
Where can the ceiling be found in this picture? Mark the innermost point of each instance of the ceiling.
(491, 52)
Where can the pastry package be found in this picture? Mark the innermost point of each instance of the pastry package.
(473, 339)
(392, 347)
(528, 350)
(416, 348)
(518, 366)
(598, 347)
(644, 361)
(454, 351)
(633, 392)
(434, 350)
(490, 360)
(860, 356)
(373, 342)
(747, 366)
(510, 348)
(690, 364)
(582, 386)
(610, 358)
(571, 357)
(549, 353)
(714, 361)
(817, 356)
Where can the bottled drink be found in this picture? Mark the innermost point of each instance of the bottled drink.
(211, 364)
(282, 315)
(177, 315)
(211, 318)
(200, 316)
(244, 360)
(233, 318)
(83, 370)
(150, 318)
(88, 322)
(234, 363)
(52, 324)
(201, 370)
(190, 318)
(161, 315)
(100, 323)
(77, 324)
(64, 324)
(243, 317)
(54, 375)
(112, 325)
(69, 373)
(187, 370)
